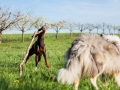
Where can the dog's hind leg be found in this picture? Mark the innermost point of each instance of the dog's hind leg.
(37, 59)
(117, 78)
(93, 79)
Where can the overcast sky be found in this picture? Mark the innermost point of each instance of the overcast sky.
(83, 11)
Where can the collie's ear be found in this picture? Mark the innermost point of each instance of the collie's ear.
(101, 35)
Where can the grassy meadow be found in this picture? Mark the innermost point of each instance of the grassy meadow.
(12, 52)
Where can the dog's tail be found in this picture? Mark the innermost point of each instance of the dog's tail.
(73, 66)
(65, 76)
(69, 75)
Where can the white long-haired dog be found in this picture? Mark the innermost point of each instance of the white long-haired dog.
(91, 55)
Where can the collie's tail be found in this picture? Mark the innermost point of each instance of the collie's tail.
(73, 65)
(68, 75)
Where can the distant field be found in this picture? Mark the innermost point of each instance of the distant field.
(12, 52)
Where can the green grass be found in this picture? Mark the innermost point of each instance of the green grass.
(12, 52)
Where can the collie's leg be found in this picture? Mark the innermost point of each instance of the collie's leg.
(94, 78)
(117, 78)
(76, 83)
(93, 81)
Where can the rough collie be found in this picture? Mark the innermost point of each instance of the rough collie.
(91, 55)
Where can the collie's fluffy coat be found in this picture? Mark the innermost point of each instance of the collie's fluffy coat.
(91, 55)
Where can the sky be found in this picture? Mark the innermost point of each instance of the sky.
(81, 11)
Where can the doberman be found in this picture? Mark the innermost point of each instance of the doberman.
(38, 48)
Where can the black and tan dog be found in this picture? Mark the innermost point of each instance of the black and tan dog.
(38, 48)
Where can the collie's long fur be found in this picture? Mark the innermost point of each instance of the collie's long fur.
(91, 55)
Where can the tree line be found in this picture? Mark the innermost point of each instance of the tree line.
(81, 27)
(25, 21)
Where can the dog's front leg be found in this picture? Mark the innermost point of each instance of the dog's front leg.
(76, 84)
(117, 78)
(46, 61)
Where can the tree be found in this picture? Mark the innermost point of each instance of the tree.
(7, 19)
(58, 26)
(24, 25)
(90, 27)
(118, 28)
(70, 26)
(109, 28)
(97, 26)
(103, 27)
(81, 27)
(114, 28)
(38, 22)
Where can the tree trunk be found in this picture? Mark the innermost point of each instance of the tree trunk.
(56, 35)
(114, 31)
(109, 31)
(22, 36)
(80, 32)
(97, 31)
(70, 34)
(89, 31)
(0, 37)
(103, 31)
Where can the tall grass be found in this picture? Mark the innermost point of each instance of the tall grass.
(12, 51)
